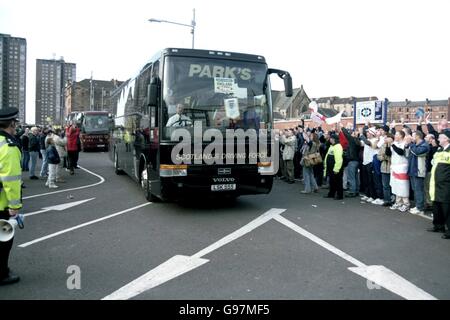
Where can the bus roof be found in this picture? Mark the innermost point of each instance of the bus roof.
(183, 52)
(213, 54)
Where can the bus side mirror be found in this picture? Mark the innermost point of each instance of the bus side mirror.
(152, 93)
(288, 85)
(286, 78)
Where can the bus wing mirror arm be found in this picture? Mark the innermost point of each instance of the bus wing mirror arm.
(286, 78)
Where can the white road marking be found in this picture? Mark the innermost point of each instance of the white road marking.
(81, 225)
(172, 268)
(379, 274)
(319, 241)
(179, 265)
(241, 231)
(425, 216)
(58, 207)
(71, 189)
(392, 282)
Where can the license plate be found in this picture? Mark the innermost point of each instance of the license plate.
(223, 187)
(100, 145)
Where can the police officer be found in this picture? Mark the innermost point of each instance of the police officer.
(11, 180)
(440, 186)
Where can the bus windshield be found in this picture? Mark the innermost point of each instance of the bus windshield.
(95, 123)
(222, 94)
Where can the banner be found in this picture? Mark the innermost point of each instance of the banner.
(369, 111)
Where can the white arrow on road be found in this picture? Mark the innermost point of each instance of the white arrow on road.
(179, 264)
(379, 275)
(393, 282)
(58, 207)
(172, 268)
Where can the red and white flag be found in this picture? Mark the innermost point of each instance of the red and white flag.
(317, 117)
(335, 119)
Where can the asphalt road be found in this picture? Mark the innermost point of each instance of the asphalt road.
(243, 250)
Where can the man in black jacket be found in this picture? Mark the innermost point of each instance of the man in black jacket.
(25, 142)
(353, 160)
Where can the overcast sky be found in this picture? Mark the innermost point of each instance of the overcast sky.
(393, 49)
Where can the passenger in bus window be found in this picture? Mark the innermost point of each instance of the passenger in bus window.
(179, 119)
(251, 119)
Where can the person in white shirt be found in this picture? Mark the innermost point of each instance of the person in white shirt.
(179, 119)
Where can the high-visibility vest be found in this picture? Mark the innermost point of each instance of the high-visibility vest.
(337, 152)
(440, 157)
(10, 175)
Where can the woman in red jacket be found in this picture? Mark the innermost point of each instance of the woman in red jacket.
(72, 134)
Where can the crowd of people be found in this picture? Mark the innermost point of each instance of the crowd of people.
(19, 150)
(385, 166)
(58, 148)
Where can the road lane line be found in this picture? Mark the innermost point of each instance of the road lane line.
(319, 241)
(81, 226)
(77, 188)
(178, 265)
(240, 232)
(380, 275)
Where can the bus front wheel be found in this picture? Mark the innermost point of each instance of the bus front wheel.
(146, 185)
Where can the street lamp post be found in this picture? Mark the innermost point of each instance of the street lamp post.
(192, 25)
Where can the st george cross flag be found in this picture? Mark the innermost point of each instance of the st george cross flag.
(317, 117)
(335, 119)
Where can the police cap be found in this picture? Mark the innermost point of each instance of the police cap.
(9, 113)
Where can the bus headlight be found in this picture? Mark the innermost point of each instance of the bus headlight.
(265, 168)
(173, 170)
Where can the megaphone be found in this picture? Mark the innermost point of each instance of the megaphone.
(7, 227)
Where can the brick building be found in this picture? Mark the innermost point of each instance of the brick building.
(440, 109)
(85, 96)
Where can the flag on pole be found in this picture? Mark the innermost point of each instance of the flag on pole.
(420, 112)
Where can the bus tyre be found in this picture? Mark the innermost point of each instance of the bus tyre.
(146, 185)
(117, 170)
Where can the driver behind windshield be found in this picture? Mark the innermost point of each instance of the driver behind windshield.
(179, 119)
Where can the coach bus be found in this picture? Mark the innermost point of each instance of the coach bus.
(94, 129)
(183, 100)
